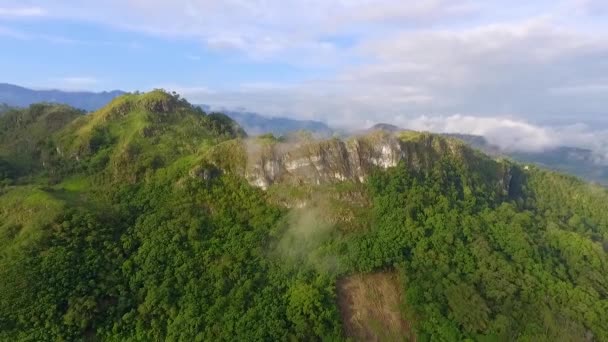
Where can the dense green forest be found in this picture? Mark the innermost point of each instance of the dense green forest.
(109, 230)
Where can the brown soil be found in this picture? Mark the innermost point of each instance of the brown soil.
(370, 306)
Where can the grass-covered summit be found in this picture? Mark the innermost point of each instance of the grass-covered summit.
(139, 132)
(133, 133)
(152, 220)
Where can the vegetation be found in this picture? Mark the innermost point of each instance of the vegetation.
(25, 133)
(526, 268)
(114, 227)
(4, 108)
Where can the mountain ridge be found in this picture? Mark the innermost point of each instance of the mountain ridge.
(579, 162)
(573, 160)
(254, 123)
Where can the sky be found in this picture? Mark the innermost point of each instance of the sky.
(537, 70)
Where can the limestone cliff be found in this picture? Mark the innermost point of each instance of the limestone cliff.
(264, 162)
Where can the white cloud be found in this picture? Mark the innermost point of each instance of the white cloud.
(290, 31)
(509, 134)
(75, 82)
(20, 34)
(14, 34)
(580, 89)
(194, 94)
(593, 7)
(516, 135)
(21, 12)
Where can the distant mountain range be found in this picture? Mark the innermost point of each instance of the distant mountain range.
(255, 124)
(17, 96)
(573, 160)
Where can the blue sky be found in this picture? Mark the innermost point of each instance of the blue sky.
(70, 54)
(428, 64)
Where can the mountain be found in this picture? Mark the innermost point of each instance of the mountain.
(573, 160)
(16, 96)
(255, 124)
(577, 161)
(24, 133)
(151, 219)
(385, 127)
(580, 162)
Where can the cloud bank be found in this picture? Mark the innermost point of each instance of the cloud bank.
(515, 135)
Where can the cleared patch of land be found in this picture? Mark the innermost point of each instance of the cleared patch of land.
(370, 306)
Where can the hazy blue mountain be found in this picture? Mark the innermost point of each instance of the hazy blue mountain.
(385, 127)
(17, 96)
(577, 161)
(254, 123)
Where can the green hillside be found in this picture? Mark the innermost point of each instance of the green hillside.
(25, 135)
(152, 220)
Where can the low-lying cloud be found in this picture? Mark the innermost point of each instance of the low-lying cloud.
(508, 134)
(513, 135)
(19, 12)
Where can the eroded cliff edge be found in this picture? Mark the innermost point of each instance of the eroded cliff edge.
(265, 161)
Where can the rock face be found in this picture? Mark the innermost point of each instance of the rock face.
(321, 161)
(264, 163)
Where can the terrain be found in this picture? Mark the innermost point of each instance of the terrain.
(577, 161)
(256, 124)
(370, 307)
(253, 123)
(151, 219)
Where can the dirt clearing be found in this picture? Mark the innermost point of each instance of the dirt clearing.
(370, 306)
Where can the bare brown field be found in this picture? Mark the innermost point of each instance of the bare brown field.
(370, 308)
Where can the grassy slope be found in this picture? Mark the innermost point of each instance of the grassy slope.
(25, 134)
(120, 142)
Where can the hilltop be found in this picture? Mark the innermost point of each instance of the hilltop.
(151, 219)
(17, 96)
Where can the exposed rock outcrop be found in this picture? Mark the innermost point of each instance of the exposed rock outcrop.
(265, 162)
